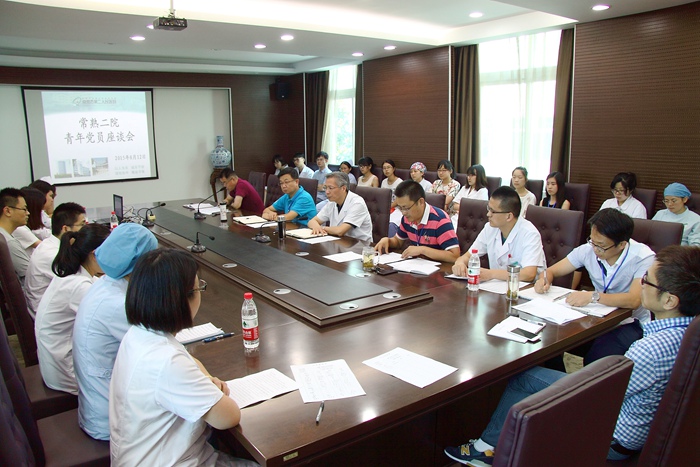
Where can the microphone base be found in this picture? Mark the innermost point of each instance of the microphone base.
(147, 223)
(199, 216)
(262, 238)
(198, 248)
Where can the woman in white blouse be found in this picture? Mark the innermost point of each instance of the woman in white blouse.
(476, 188)
(75, 268)
(162, 401)
(622, 187)
(518, 180)
(391, 181)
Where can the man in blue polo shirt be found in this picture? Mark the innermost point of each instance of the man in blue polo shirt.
(298, 205)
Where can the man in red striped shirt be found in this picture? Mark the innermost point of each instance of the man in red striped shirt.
(425, 229)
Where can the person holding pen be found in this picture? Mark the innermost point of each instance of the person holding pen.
(615, 264)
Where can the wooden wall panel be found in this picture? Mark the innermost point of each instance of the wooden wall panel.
(407, 108)
(636, 104)
(262, 126)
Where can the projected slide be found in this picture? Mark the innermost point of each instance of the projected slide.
(92, 135)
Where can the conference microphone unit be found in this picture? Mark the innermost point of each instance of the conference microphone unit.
(261, 237)
(198, 215)
(148, 221)
(198, 247)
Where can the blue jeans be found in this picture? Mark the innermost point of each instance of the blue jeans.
(519, 387)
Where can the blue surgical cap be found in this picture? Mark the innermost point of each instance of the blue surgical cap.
(677, 189)
(118, 253)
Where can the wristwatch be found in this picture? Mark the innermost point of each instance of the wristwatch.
(595, 297)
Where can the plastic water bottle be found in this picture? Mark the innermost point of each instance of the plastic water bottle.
(473, 271)
(249, 315)
(113, 221)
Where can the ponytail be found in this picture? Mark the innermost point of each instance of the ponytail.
(76, 247)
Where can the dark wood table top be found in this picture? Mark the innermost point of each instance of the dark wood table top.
(451, 328)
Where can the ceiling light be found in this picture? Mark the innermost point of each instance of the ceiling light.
(389, 47)
(476, 14)
(600, 7)
(137, 38)
(357, 54)
(260, 46)
(287, 37)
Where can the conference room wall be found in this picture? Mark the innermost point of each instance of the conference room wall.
(636, 104)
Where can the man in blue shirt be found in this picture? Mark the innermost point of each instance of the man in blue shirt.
(298, 205)
(320, 177)
(670, 291)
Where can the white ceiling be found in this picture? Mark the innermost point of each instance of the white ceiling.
(221, 33)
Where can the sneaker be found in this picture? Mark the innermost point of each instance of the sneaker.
(467, 454)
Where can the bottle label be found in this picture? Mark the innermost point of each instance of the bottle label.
(250, 329)
(473, 277)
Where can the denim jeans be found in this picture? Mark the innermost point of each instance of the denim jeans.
(519, 387)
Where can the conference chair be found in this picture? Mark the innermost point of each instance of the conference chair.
(311, 186)
(52, 441)
(431, 176)
(671, 440)
(461, 178)
(578, 195)
(537, 188)
(403, 174)
(569, 423)
(352, 187)
(377, 170)
(657, 234)
(561, 232)
(334, 167)
(6, 318)
(435, 200)
(378, 202)
(17, 306)
(694, 202)
(274, 192)
(493, 183)
(647, 197)
(470, 222)
(258, 179)
(355, 170)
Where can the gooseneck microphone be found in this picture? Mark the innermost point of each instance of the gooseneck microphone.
(198, 247)
(198, 215)
(260, 237)
(147, 221)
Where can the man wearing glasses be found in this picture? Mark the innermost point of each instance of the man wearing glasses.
(13, 214)
(426, 229)
(506, 239)
(241, 194)
(345, 212)
(297, 206)
(615, 264)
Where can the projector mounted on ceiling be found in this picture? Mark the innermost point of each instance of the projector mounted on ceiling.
(170, 22)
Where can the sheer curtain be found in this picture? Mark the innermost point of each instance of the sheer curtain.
(339, 129)
(517, 81)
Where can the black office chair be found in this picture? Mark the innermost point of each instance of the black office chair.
(694, 202)
(537, 188)
(274, 192)
(378, 202)
(435, 200)
(647, 197)
(311, 186)
(403, 174)
(657, 234)
(470, 222)
(258, 180)
(493, 183)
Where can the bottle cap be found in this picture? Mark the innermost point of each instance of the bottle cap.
(248, 295)
(475, 251)
(113, 212)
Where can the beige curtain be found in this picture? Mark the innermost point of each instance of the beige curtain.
(465, 109)
(316, 96)
(561, 132)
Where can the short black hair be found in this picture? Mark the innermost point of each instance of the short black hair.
(508, 199)
(291, 171)
(412, 189)
(678, 273)
(613, 224)
(76, 247)
(35, 204)
(160, 286)
(65, 214)
(628, 180)
(227, 173)
(278, 158)
(366, 161)
(9, 197)
(323, 154)
(44, 187)
(299, 155)
(446, 164)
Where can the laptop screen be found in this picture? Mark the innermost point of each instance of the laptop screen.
(119, 207)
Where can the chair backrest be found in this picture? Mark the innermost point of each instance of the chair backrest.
(493, 183)
(578, 195)
(274, 192)
(378, 202)
(647, 197)
(15, 448)
(377, 170)
(17, 306)
(561, 232)
(671, 439)
(461, 178)
(569, 423)
(311, 186)
(470, 222)
(258, 180)
(657, 234)
(536, 187)
(431, 176)
(694, 202)
(403, 174)
(435, 200)
(355, 170)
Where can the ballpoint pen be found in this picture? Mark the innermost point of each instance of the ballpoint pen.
(216, 338)
(320, 411)
(563, 296)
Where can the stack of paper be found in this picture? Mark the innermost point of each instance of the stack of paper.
(417, 266)
(554, 293)
(558, 295)
(248, 220)
(550, 311)
(197, 333)
(260, 387)
(195, 205)
(326, 381)
(505, 329)
(344, 257)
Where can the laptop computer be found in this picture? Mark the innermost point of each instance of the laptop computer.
(117, 207)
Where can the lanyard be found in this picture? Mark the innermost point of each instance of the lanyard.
(420, 234)
(605, 272)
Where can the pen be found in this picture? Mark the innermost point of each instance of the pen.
(563, 296)
(529, 320)
(216, 338)
(320, 411)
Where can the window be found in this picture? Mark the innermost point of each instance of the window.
(339, 128)
(517, 84)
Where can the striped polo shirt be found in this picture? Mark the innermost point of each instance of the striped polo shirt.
(434, 230)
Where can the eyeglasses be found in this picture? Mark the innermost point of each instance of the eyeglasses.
(202, 286)
(329, 188)
(646, 282)
(598, 247)
(405, 210)
(443, 170)
(285, 182)
(20, 209)
(619, 192)
(668, 201)
(488, 208)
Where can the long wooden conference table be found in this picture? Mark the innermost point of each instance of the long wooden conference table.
(395, 422)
